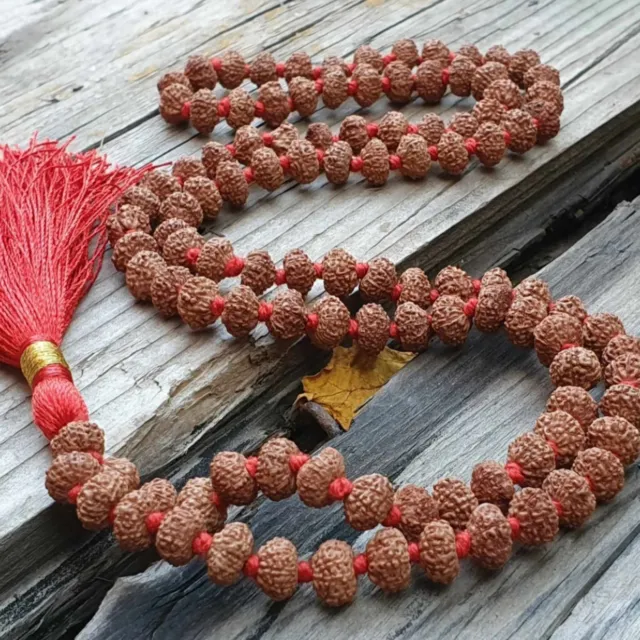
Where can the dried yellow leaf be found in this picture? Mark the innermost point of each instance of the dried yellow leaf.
(350, 379)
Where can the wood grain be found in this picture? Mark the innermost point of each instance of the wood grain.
(159, 390)
(443, 413)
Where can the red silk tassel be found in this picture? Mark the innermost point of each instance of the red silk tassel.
(53, 210)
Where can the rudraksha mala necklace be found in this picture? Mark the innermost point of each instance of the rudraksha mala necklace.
(503, 119)
(497, 75)
(36, 305)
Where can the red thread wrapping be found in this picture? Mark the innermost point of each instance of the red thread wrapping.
(297, 461)
(201, 543)
(414, 552)
(191, 256)
(470, 307)
(305, 572)
(264, 311)
(393, 330)
(362, 268)
(312, 322)
(360, 564)
(153, 521)
(515, 472)
(281, 277)
(356, 164)
(514, 523)
(251, 465)
(234, 267)
(396, 292)
(251, 566)
(393, 517)
(463, 544)
(340, 488)
(353, 328)
(217, 306)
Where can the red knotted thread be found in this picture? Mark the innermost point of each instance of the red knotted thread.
(52, 239)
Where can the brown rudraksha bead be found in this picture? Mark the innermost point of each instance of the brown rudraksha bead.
(333, 323)
(373, 328)
(129, 523)
(565, 432)
(620, 345)
(369, 85)
(413, 325)
(461, 72)
(599, 329)
(213, 258)
(289, 316)
(69, 470)
(141, 270)
(278, 568)
(576, 367)
(436, 50)
(78, 436)
(455, 502)
(576, 401)
(392, 126)
(303, 96)
(194, 302)
(521, 62)
(400, 82)
(438, 556)
(207, 195)
(489, 110)
(498, 53)
(472, 52)
(490, 143)
(130, 244)
(175, 535)
(505, 92)
(413, 152)
(429, 85)
(417, 508)
(369, 502)
(452, 154)
(196, 495)
(617, 435)
(536, 515)
(534, 456)
(623, 370)
(183, 206)
(379, 281)
(165, 288)
(603, 471)
(231, 480)
(334, 578)
(554, 333)
(213, 153)
(204, 111)
(230, 549)
(335, 88)
(353, 131)
(389, 566)
(275, 101)
(316, 475)
(571, 305)
(375, 162)
(485, 75)
(449, 321)
(490, 536)
(573, 494)
(339, 272)
(493, 305)
(319, 135)
(366, 54)
(431, 128)
(463, 123)
(175, 249)
(455, 282)
(127, 218)
(490, 482)
(624, 401)
(522, 130)
(304, 165)
(232, 184)
(142, 198)
(416, 287)
(161, 183)
(267, 170)
(240, 313)
(525, 313)
(101, 493)
(274, 476)
(337, 162)
(299, 271)
(166, 228)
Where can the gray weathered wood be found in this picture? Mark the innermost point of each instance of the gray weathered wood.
(159, 390)
(443, 413)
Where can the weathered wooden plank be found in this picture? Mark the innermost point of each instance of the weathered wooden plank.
(157, 388)
(82, 572)
(439, 416)
(609, 609)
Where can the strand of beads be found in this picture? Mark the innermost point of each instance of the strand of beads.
(196, 190)
(435, 530)
(498, 76)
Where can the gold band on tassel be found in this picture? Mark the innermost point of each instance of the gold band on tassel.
(39, 355)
